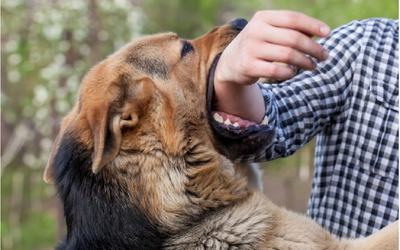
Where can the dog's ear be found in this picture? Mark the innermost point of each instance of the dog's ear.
(49, 172)
(122, 106)
(119, 107)
(48, 176)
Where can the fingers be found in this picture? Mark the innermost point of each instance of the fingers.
(296, 40)
(279, 71)
(294, 20)
(273, 70)
(272, 36)
(284, 54)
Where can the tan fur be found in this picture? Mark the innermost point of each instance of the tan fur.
(141, 113)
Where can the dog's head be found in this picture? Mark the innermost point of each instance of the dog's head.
(153, 96)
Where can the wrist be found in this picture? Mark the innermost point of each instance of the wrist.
(244, 101)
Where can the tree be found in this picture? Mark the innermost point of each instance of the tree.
(47, 48)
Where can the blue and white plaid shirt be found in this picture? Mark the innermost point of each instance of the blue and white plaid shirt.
(350, 102)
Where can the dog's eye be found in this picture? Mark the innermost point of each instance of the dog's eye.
(187, 47)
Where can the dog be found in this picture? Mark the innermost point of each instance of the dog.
(141, 163)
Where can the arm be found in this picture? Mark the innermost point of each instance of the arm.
(305, 105)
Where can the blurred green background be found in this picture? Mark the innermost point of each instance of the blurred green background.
(48, 45)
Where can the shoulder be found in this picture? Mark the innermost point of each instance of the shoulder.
(371, 24)
(359, 31)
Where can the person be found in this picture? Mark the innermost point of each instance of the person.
(345, 93)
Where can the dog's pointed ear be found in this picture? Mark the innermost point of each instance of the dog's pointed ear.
(106, 140)
(107, 122)
(48, 176)
(105, 131)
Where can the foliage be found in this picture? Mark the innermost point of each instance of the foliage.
(31, 237)
(191, 19)
(47, 47)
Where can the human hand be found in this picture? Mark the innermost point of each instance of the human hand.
(269, 38)
(272, 36)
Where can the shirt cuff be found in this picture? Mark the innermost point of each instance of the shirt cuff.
(271, 112)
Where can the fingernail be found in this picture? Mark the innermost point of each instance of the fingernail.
(314, 64)
(294, 69)
(325, 30)
(325, 54)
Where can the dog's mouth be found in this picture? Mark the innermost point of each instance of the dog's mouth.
(235, 137)
(236, 124)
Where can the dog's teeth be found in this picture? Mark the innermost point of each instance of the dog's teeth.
(265, 121)
(227, 122)
(218, 118)
(236, 125)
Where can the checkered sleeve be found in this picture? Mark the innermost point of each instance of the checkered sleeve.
(303, 106)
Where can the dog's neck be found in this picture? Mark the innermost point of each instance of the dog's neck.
(181, 188)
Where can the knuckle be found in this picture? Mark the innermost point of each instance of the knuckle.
(263, 13)
(258, 15)
(272, 70)
(288, 54)
(245, 65)
(252, 33)
(293, 17)
(297, 39)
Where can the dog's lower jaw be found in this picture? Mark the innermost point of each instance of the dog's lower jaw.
(237, 142)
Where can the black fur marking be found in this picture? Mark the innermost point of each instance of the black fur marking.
(124, 78)
(199, 163)
(202, 116)
(196, 157)
(100, 213)
(152, 67)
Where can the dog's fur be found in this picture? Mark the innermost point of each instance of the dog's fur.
(138, 166)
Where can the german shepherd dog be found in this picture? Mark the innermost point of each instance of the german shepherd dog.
(140, 162)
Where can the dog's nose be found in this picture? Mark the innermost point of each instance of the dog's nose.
(239, 23)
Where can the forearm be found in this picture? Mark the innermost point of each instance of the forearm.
(244, 101)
